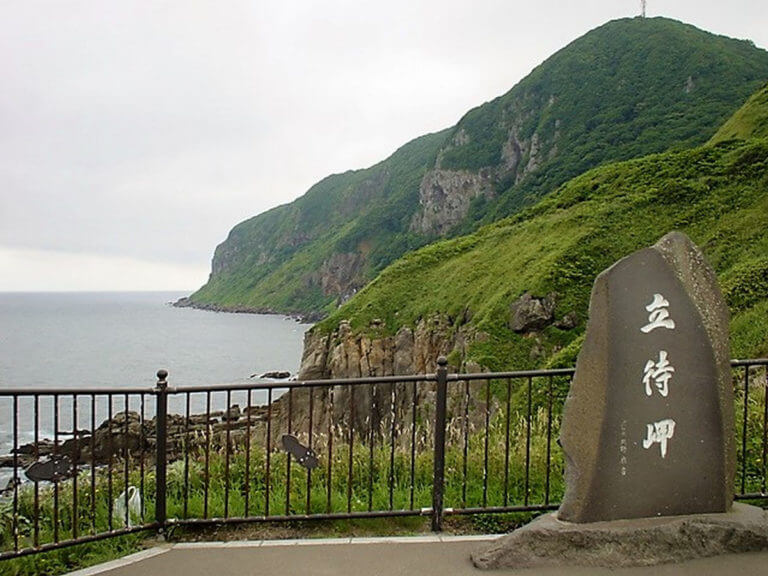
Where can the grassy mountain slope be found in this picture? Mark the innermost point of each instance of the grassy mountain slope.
(626, 89)
(275, 260)
(636, 86)
(750, 121)
(718, 195)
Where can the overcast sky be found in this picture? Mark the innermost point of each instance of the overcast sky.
(134, 135)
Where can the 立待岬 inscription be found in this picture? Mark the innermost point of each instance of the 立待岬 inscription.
(648, 425)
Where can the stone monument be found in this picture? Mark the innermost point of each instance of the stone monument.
(648, 424)
(647, 430)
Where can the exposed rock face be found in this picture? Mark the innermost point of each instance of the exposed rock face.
(521, 156)
(512, 153)
(529, 313)
(341, 274)
(568, 322)
(345, 354)
(383, 409)
(444, 196)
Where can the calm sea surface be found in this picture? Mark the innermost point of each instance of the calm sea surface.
(74, 340)
(123, 339)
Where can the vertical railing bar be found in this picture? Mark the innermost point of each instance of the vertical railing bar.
(392, 432)
(16, 472)
(110, 449)
(549, 442)
(206, 474)
(370, 448)
(309, 445)
(247, 510)
(55, 476)
(506, 441)
(93, 463)
(765, 428)
(465, 446)
(75, 462)
(438, 476)
(126, 458)
(350, 464)
(744, 432)
(268, 483)
(227, 407)
(528, 440)
(414, 404)
(330, 449)
(487, 434)
(142, 448)
(187, 448)
(161, 457)
(36, 529)
(288, 457)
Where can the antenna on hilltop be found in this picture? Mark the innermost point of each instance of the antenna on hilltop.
(642, 8)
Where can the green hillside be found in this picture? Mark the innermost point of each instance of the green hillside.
(750, 121)
(316, 251)
(626, 89)
(718, 195)
(635, 87)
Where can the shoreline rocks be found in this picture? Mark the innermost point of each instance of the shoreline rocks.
(300, 317)
(126, 433)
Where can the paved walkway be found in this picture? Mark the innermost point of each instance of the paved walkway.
(423, 556)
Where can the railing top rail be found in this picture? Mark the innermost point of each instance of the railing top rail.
(285, 384)
(750, 362)
(512, 374)
(75, 391)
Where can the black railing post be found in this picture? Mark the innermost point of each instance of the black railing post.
(160, 462)
(439, 470)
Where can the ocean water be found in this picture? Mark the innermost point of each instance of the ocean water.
(69, 340)
(66, 341)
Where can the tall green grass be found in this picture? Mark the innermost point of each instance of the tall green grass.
(213, 485)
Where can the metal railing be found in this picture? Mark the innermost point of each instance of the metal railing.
(88, 464)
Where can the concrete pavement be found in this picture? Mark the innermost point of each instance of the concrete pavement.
(422, 555)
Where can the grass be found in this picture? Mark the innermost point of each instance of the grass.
(750, 121)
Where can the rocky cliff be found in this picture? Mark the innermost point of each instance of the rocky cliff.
(626, 89)
(445, 196)
(347, 354)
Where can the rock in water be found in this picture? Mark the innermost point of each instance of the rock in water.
(648, 424)
(232, 414)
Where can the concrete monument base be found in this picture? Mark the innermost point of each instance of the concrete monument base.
(548, 541)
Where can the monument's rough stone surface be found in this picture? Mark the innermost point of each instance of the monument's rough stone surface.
(548, 541)
(648, 424)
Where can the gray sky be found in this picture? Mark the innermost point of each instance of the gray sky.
(134, 135)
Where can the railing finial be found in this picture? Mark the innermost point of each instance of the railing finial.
(162, 378)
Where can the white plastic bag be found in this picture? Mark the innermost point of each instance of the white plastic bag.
(134, 506)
